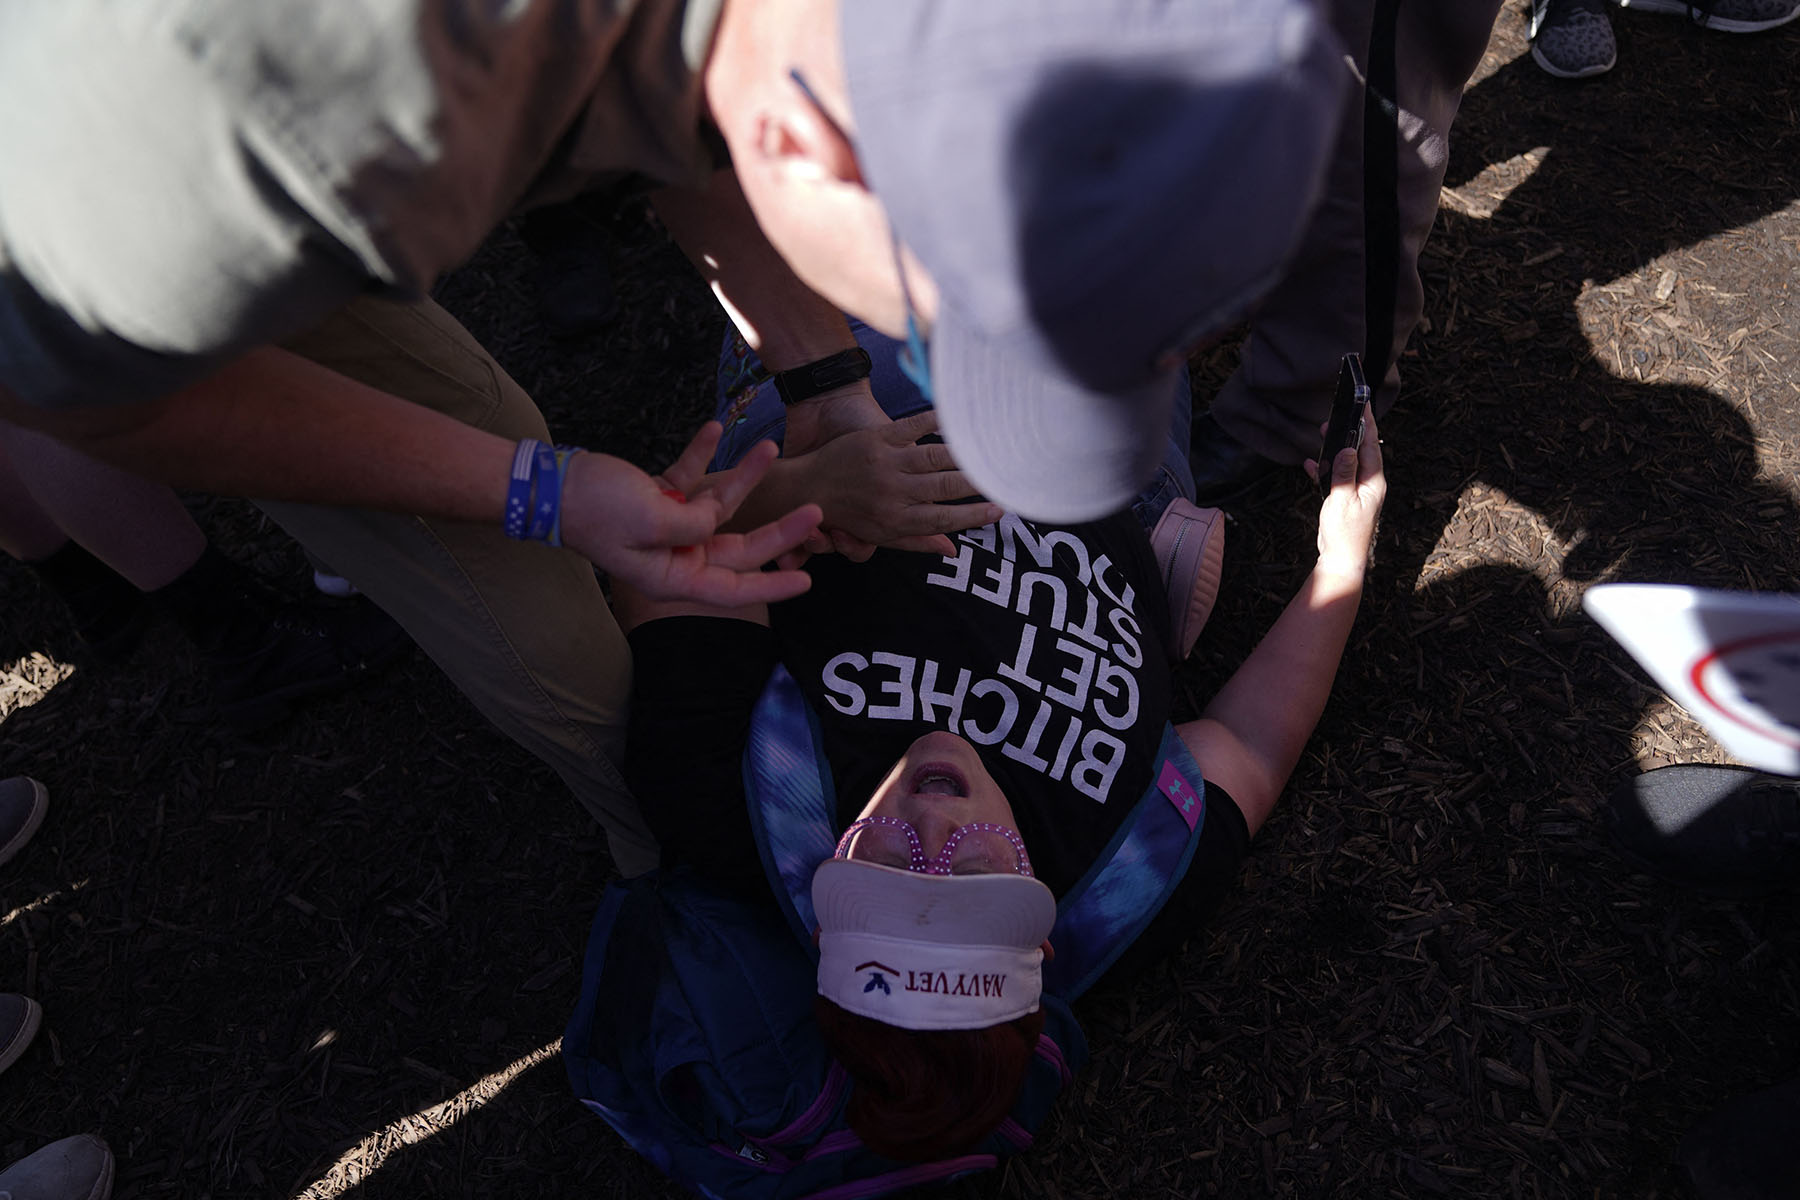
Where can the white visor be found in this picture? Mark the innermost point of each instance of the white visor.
(930, 951)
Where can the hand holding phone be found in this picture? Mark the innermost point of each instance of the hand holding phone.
(1344, 430)
(1348, 515)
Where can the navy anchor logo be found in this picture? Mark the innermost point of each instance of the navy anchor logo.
(876, 977)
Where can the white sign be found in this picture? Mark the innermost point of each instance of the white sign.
(1732, 659)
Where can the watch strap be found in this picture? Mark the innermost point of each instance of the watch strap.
(822, 375)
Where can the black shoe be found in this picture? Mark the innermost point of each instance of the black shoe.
(1722, 831)
(110, 614)
(307, 651)
(1224, 468)
(266, 655)
(1747, 1148)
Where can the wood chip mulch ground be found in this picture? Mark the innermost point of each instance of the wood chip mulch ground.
(337, 961)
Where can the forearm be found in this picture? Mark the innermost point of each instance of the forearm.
(784, 321)
(275, 426)
(1272, 703)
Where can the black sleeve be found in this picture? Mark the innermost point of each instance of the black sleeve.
(695, 682)
(1224, 844)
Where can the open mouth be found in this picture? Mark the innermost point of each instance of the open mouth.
(939, 779)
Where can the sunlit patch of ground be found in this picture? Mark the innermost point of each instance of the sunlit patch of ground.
(28, 680)
(363, 1160)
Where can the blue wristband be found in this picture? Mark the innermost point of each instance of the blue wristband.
(546, 493)
(534, 492)
(518, 489)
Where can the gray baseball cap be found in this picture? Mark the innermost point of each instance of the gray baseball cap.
(1095, 186)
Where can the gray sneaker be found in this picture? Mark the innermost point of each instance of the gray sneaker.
(19, 1020)
(23, 803)
(1573, 39)
(1720, 830)
(76, 1168)
(1726, 16)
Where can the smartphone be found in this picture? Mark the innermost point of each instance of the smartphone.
(1345, 429)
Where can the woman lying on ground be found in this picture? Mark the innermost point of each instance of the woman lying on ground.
(986, 723)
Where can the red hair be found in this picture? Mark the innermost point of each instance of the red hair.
(925, 1094)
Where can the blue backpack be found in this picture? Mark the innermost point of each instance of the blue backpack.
(694, 1036)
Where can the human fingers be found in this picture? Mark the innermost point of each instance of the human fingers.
(925, 458)
(851, 546)
(726, 588)
(611, 509)
(1369, 456)
(940, 486)
(689, 469)
(949, 518)
(793, 560)
(816, 542)
(728, 488)
(908, 430)
(766, 543)
(926, 544)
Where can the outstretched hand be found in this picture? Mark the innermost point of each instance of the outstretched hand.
(879, 487)
(660, 533)
(1348, 518)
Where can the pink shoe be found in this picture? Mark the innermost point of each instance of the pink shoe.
(1189, 542)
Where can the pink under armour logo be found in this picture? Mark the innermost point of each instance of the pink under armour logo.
(1182, 794)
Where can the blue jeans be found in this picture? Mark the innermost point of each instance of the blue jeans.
(751, 411)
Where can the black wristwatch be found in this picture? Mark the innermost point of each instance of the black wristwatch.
(822, 375)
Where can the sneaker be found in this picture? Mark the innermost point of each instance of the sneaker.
(304, 652)
(1726, 16)
(328, 581)
(76, 1168)
(335, 586)
(23, 803)
(1723, 831)
(266, 654)
(1747, 1148)
(1573, 39)
(20, 1017)
(1189, 543)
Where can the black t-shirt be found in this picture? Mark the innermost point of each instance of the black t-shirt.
(1041, 645)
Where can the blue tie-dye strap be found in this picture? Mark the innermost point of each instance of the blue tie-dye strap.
(1133, 877)
(793, 805)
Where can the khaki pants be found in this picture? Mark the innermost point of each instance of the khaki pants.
(521, 629)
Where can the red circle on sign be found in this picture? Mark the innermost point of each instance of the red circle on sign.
(1758, 725)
